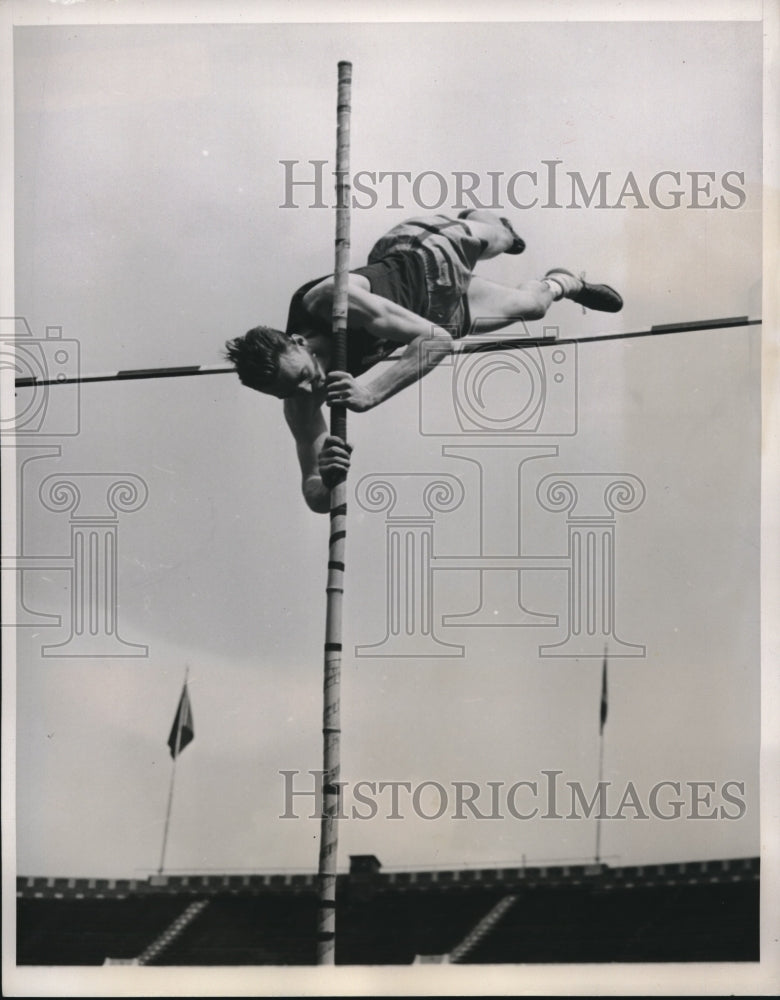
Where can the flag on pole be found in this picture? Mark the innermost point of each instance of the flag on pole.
(183, 729)
(603, 709)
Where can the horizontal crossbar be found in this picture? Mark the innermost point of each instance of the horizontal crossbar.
(472, 346)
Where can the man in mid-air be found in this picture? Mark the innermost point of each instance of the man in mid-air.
(418, 289)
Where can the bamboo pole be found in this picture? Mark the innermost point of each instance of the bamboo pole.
(331, 732)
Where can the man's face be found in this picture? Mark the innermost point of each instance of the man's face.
(300, 372)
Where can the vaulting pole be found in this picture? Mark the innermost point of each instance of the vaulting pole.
(331, 732)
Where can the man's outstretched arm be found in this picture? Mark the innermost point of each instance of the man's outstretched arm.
(427, 344)
(323, 459)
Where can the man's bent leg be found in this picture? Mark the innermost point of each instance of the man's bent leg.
(494, 306)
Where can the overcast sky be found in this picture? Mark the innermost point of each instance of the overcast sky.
(148, 226)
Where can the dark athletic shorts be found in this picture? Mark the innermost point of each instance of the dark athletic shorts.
(449, 253)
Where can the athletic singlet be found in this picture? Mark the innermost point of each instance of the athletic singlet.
(399, 277)
(422, 264)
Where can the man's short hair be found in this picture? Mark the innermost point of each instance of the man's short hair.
(256, 356)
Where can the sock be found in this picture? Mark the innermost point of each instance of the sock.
(555, 287)
(568, 283)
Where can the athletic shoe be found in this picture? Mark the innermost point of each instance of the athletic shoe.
(600, 297)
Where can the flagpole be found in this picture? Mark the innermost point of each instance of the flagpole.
(167, 818)
(602, 720)
(598, 814)
(177, 746)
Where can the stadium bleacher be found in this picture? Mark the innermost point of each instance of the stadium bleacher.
(86, 931)
(687, 912)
